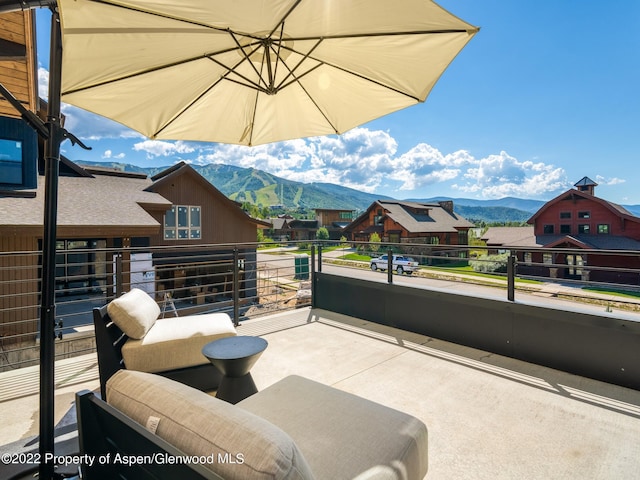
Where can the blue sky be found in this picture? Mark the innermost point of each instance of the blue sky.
(546, 93)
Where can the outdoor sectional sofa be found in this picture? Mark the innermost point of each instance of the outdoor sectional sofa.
(153, 427)
(130, 334)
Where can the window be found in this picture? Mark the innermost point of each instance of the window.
(18, 154)
(603, 229)
(11, 161)
(182, 222)
(584, 214)
(565, 214)
(574, 261)
(547, 258)
(584, 228)
(565, 229)
(463, 237)
(548, 229)
(527, 257)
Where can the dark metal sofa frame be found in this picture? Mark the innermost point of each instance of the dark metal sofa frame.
(109, 342)
(105, 432)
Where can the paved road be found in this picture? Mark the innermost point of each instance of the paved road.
(283, 263)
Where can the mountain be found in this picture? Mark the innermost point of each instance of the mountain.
(492, 214)
(521, 204)
(262, 188)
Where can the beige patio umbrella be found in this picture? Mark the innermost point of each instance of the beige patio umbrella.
(253, 71)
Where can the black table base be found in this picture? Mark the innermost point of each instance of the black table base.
(235, 389)
(234, 357)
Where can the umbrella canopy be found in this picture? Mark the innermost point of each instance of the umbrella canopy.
(253, 71)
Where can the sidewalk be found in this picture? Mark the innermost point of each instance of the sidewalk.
(549, 288)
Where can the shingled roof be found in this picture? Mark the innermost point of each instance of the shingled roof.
(424, 217)
(108, 202)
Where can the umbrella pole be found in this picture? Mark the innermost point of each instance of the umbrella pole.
(47, 306)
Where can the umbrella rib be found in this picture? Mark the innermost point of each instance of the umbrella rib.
(388, 87)
(250, 84)
(223, 77)
(246, 58)
(388, 34)
(154, 69)
(209, 56)
(284, 17)
(297, 80)
(177, 115)
(253, 121)
(275, 69)
(337, 67)
(157, 14)
(304, 58)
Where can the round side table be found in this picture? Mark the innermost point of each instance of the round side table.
(234, 357)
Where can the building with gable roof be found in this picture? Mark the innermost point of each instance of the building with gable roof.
(101, 209)
(578, 220)
(397, 221)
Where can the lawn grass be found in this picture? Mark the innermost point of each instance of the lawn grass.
(621, 293)
(356, 257)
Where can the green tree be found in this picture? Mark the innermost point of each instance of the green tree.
(374, 240)
(322, 234)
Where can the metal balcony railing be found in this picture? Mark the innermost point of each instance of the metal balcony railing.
(248, 280)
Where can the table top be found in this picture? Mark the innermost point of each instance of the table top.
(234, 347)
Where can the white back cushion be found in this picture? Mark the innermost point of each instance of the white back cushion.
(134, 313)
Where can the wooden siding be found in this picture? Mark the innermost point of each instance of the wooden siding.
(19, 280)
(18, 74)
(326, 218)
(598, 214)
(221, 221)
(536, 267)
(389, 225)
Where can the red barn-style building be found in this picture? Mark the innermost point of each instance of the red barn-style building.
(577, 220)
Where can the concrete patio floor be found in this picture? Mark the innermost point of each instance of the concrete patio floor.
(489, 417)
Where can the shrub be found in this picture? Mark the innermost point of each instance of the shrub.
(322, 234)
(374, 240)
(490, 263)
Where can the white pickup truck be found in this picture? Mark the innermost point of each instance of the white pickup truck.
(400, 264)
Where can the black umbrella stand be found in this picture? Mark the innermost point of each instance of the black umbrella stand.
(47, 305)
(54, 135)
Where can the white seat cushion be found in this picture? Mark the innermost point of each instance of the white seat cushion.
(342, 435)
(134, 313)
(201, 425)
(176, 342)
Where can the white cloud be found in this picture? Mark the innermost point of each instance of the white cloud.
(600, 180)
(157, 148)
(367, 160)
(356, 159)
(108, 154)
(425, 165)
(502, 175)
(43, 82)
